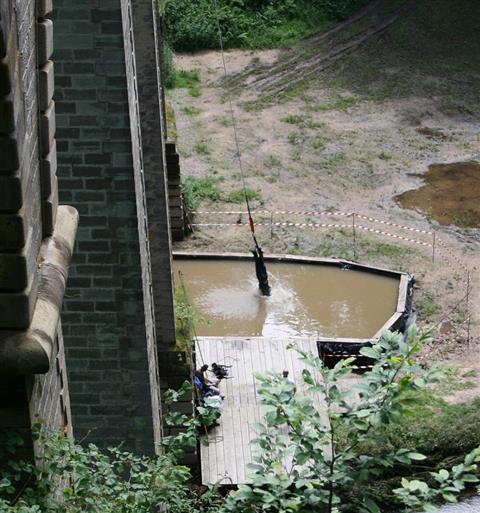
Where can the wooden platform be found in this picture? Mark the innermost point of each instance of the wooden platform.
(229, 451)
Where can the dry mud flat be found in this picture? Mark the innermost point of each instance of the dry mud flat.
(325, 147)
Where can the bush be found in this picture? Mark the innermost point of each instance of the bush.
(192, 24)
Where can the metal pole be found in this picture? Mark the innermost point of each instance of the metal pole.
(271, 225)
(433, 247)
(468, 307)
(354, 237)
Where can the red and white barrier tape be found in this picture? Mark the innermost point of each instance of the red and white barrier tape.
(319, 225)
(316, 214)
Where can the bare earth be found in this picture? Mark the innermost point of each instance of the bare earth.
(330, 149)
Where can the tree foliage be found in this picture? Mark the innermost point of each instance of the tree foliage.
(316, 451)
(312, 455)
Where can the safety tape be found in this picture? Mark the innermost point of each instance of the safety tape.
(314, 213)
(319, 225)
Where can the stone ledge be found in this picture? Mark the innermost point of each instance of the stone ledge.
(30, 351)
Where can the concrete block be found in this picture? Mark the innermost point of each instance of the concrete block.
(15, 268)
(11, 192)
(47, 129)
(48, 171)
(7, 118)
(5, 81)
(49, 211)
(44, 41)
(16, 308)
(44, 7)
(8, 154)
(45, 86)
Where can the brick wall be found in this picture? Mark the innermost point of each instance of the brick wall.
(28, 208)
(108, 319)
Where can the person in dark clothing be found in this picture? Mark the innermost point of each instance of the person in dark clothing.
(261, 271)
(204, 384)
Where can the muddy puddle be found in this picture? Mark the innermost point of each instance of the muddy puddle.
(306, 300)
(451, 194)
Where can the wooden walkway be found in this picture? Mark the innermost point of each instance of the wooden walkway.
(229, 451)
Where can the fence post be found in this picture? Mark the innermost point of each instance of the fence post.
(354, 237)
(467, 299)
(271, 225)
(433, 246)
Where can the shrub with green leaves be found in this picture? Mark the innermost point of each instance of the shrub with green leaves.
(70, 478)
(314, 449)
(192, 24)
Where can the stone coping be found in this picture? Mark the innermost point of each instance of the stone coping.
(30, 351)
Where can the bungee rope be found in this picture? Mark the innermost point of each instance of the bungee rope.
(260, 268)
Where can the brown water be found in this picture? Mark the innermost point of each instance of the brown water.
(451, 194)
(306, 300)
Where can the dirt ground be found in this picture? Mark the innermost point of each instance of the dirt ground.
(325, 147)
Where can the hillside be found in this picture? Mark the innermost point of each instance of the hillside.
(347, 120)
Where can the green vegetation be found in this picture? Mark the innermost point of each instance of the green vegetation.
(357, 449)
(191, 24)
(426, 306)
(74, 478)
(294, 119)
(186, 318)
(191, 111)
(195, 189)
(202, 148)
(238, 195)
(384, 443)
(183, 78)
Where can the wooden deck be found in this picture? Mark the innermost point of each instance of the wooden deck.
(229, 451)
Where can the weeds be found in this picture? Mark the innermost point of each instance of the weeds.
(238, 195)
(426, 306)
(191, 111)
(294, 119)
(202, 148)
(196, 189)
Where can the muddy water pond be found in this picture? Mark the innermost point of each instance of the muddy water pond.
(306, 300)
(451, 194)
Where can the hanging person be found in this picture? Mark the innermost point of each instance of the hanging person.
(261, 271)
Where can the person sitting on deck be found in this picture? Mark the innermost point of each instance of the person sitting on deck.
(204, 385)
(289, 381)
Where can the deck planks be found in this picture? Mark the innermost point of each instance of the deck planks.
(225, 459)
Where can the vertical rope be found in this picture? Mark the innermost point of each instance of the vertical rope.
(234, 122)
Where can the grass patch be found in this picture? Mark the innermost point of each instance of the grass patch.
(294, 119)
(202, 148)
(341, 102)
(426, 306)
(238, 195)
(333, 161)
(191, 111)
(186, 79)
(272, 161)
(196, 189)
(295, 138)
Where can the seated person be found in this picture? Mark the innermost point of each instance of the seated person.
(205, 386)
